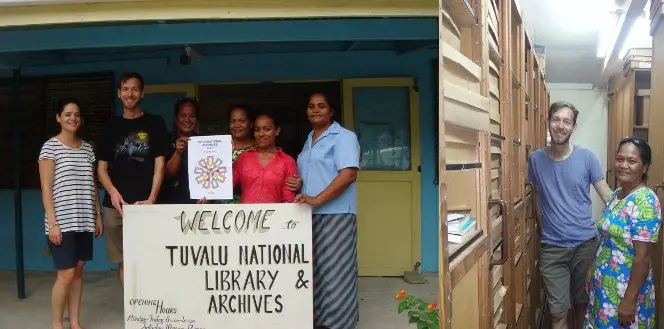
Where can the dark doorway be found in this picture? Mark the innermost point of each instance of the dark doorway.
(287, 101)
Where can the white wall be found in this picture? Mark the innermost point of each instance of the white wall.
(592, 123)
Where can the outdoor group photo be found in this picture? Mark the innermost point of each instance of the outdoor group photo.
(205, 229)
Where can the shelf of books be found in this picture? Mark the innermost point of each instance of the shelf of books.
(490, 87)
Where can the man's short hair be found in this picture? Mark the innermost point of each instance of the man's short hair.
(556, 106)
(131, 75)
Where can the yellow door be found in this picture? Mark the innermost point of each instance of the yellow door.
(383, 112)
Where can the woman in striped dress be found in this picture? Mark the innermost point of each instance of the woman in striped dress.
(71, 203)
(328, 166)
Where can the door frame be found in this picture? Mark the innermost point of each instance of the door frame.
(369, 175)
(189, 89)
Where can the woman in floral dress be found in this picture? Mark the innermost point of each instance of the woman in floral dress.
(620, 282)
(240, 124)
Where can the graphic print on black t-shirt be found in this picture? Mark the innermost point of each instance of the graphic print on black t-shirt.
(136, 146)
(130, 147)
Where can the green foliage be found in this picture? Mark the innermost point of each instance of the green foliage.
(610, 285)
(604, 256)
(419, 312)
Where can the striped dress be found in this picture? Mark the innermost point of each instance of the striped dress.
(336, 300)
(335, 271)
(73, 185)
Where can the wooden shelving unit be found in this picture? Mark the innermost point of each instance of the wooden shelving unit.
(629, 102)
(492, 110)
(652, 115)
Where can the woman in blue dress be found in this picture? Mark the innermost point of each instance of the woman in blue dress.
(328, 166)
(620, 282)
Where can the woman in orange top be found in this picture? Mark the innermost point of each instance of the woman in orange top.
(262, 171)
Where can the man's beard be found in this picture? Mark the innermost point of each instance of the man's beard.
(137, 103)
(564, 141)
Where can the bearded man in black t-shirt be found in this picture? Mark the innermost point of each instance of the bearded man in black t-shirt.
(131, 156)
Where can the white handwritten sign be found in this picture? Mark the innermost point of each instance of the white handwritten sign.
(210, 167)
(213, 266)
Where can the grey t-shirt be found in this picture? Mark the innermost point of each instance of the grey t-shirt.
(565, 202)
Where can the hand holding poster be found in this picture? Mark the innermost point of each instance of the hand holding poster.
(218, 266)
(210, 167)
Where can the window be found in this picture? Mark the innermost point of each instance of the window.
(38, 105)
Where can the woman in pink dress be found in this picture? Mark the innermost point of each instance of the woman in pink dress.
(262, 171)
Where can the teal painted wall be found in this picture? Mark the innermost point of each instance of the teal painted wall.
(285, 66)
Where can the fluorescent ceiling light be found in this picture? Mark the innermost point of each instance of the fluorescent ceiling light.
(607, 32)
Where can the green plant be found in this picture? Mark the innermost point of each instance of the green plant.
(423, 314)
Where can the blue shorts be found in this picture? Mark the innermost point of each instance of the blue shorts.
(75, 247)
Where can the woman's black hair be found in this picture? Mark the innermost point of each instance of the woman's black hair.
(179, 104)
(325, 95)
(270, 115)
(66, 101)
(644, 151)
(244, 107)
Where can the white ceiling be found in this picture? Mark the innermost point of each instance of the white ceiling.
(569, 29)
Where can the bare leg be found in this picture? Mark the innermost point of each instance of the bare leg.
(559, 321)
(579, 315)
(121, 274)
(75, 293)
(59, 294)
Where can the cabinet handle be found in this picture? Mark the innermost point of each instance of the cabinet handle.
(503, 252)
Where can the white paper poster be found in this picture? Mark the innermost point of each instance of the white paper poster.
(216, 266)
(210, 167)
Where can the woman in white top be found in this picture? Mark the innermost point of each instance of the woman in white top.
(71, 204)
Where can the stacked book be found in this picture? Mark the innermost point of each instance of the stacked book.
(460, 227)
(637, 59)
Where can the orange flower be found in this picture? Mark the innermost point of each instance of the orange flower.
(398, 296)
(431, 307)
(402, 292)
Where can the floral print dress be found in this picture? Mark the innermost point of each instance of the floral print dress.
(637, 217)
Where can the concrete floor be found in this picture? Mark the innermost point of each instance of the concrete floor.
(102, 301)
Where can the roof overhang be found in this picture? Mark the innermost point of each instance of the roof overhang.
(17, 13)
